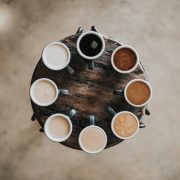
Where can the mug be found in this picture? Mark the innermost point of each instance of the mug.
(51, 130)
(41, 91)
(133, 52)
(115, 115)
(62, 52)
(123, 93)
(90, 43)
(93, 137)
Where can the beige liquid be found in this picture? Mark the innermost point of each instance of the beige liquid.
(58, 127)
(56, 56)
(44, 92)
(93, 139)
(125, 125)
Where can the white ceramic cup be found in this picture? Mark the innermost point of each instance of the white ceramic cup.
(56, 68)
(91, 119)
(135, 65)
(115, 115)
(58, 92)
(52, 137)
(137, 80)
(79, 40)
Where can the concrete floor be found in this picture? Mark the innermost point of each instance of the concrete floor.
(152, 27)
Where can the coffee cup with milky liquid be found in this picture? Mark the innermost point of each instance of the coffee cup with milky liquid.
(124, 124)
(44, 92)
(56, 56)
(58, 127)
(137, 92)
(124, 59)
(90, 45)
(92, 139)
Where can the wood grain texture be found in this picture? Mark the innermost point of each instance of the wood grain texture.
(90, 91)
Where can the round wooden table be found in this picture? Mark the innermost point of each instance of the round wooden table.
(90, 91)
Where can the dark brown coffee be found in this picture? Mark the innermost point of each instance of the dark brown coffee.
(138, 93)
(125, 59)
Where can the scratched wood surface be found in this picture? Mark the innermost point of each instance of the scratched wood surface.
(90, 91)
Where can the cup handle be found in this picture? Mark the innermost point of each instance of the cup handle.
(33, 117)
(93, 28)
(70, 70)
(111, 110)
(142, 125)
(91, 119)
(119, 92)
(63, 92)
(79, 31)
(90, 64)
(147, 112)
(71, 113)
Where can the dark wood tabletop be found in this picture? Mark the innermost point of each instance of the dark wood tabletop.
(90, 91)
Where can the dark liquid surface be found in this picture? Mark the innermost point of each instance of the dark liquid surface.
(90, 45)
(125, 59)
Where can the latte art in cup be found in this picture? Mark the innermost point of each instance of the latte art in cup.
(125, 125)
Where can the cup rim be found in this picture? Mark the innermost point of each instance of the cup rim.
(135, 80)
(82, 147)
(44, 55)
(133, 68)
(90, 57)
(31, 92)
(53, 138)
(114, 132)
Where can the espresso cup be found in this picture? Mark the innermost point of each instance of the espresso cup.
(124, 59)
(124, 124)
(92, 139)
(56, 56)
(58, 127)
(137, 92)
(44, 92)
(90, 45)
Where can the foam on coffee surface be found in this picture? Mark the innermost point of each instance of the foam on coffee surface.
(44, 91)
(125, 125)
(58, 127)
(56, 56)
(124, 59)
(138, 93)
(93, 139)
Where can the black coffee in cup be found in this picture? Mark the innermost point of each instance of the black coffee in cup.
(91, 45)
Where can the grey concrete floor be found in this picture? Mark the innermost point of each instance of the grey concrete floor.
(152, 27)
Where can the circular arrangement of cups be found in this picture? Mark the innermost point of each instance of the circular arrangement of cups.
(135, 65)
(50, 136)
(137, 80)
(34, 99)
(78, 45)
(86, 128)
(112, 122)
(61, 139)
(45, 59)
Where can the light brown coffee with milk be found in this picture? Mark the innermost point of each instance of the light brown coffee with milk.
(56, 56)
(43, 92)
(125, 125)
(138, 93)
(93, 139)
(58, 127)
